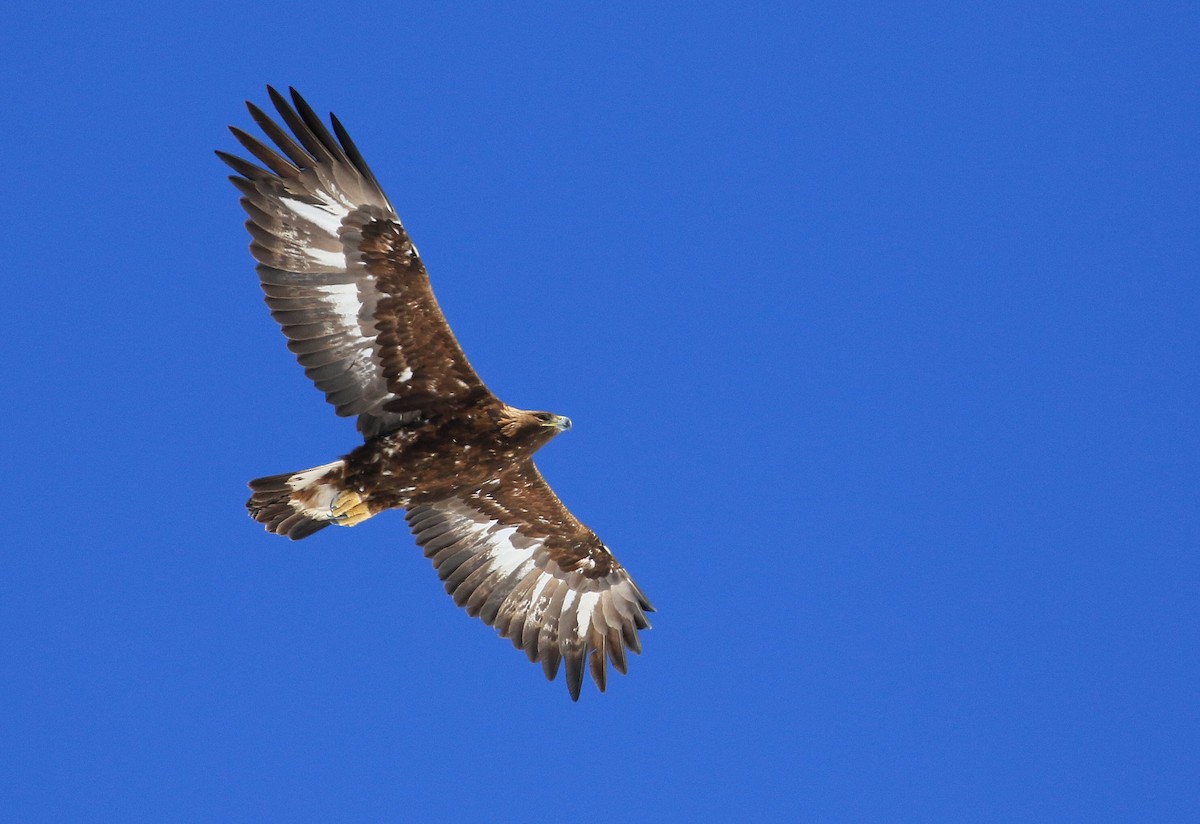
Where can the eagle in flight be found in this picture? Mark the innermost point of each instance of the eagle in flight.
(345, 283)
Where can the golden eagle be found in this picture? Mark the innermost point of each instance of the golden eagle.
(346, 285)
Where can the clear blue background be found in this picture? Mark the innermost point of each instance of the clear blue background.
(878, 324)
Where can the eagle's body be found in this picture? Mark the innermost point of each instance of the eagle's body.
(425, 460)
(353, 298)
(434, 458)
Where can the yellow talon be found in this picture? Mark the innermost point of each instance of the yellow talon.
(349, 509)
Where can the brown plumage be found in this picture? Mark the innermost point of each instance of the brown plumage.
(346, 284)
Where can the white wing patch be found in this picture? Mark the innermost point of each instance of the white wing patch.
(322, 257)
(328, 216)
(540, 584)
(583, 613)
(343, 299)
(505, 555)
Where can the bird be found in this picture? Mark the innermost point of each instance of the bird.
(352, 296)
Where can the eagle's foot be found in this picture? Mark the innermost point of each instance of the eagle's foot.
(349, 508)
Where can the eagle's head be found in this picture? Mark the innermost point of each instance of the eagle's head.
(538, 427)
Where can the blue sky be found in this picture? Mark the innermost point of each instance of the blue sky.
(878, 326)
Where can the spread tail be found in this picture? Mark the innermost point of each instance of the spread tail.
(297, 504)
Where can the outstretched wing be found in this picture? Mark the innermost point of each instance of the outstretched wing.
(342, 277)
(513, 555)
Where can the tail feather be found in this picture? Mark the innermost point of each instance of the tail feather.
(296, 504)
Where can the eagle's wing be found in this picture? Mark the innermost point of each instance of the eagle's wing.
(513, 555)
(342, 277)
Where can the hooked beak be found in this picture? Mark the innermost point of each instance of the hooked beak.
(561, 423)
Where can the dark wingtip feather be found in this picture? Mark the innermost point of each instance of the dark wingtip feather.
(316, 127)
(265, 155)
(243, 167)
(300, 128)
(300, 158)
(616, 652)
(596, 663)
(643, 601)
(629, 633)
(277, 99)
(574, 671)
(353, 153)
